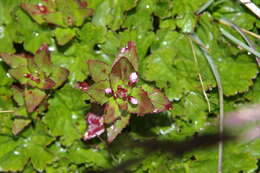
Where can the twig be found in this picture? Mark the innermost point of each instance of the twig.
(8, 111)
(239, 30)
(221, 100)
(204, 7)
(200, 78)
(251, 6)
(238, 42)
(224, 22)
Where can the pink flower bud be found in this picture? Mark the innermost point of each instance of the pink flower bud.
(133, 100)
(108, 91)
(133, 78)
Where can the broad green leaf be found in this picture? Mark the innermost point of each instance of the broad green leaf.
(111, 13)
(4, 78)
(31, 146)
(92, 34)
(63, 36)
(19, 74)
(97, 92)
(33, 98)
(79, 154)
(98, 70)
(65, 116)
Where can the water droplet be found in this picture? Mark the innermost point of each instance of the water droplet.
(16, 153)
(74, 117)
(249, 53)
(25, 145)
(164, 42)
(78, 149)
(219, 59)
(36, 34)
(139, 37)
(1, 32)
(147, 6)
(51, 48)
(195, 122)
(8, 75)
(63, 150)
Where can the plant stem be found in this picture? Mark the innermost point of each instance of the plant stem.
(204, 7)
(200, 77)
(221, 99)
(238, 42)
(8, 111)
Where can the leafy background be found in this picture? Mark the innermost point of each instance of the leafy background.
(53, 141)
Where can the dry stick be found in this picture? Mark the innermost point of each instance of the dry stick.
(200, 78)
(239, 30)
(251, 6)
(224, 22)
(221, 98)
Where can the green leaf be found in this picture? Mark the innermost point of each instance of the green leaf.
(111, 112)
(63, 36)
(65, 116)
(96, 158)
(19, 125)
(14, 60)
(117, 127)
(59, 76)
(144, 104)
(31, 146)
(33, 98)
(97, 91)
(98, 70)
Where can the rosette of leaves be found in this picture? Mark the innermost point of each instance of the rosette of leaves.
(62, 13)
(36, 75)
(117, 88)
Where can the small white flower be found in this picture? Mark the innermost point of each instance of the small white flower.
(134, 101)
(133, 77)
(108, 91)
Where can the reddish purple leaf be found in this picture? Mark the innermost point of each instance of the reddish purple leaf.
(95, 126)
(33, 98)
(83, 86)
(130, 53)
(159, 100)
(121, 71)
